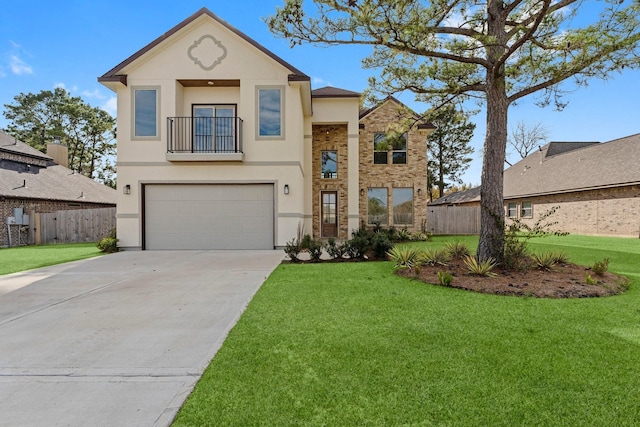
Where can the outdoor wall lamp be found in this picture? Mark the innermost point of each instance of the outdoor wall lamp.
(419, 191)
(362, 191)
(286, 189)
(127, 189)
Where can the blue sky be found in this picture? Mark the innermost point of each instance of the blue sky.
(44, 44)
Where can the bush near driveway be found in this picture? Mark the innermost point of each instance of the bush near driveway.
(353, 344)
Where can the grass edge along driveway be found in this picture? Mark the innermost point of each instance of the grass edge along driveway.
(13, 260)
(353, 344)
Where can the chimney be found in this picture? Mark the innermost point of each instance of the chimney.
(58, 152)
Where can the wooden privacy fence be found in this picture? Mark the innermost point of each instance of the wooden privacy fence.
(453, 219)
(73, 226)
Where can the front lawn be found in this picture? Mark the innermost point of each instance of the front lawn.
(28, 257)
(353, 344)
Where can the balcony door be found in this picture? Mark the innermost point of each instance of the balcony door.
(214, 128)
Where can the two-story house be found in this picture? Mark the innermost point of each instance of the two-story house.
(223, 145)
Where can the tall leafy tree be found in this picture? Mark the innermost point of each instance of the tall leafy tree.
(448, 146)
(497, 51)
(88, 132)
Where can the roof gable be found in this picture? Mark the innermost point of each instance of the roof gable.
(118, 74)
(422, 123)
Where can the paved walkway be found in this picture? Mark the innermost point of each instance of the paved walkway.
(118, 340)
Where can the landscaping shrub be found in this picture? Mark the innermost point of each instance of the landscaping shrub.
(404, 256)
(109, 243)
(292, 249)
(445, 278)
(380, 244)
(457, 249)
(435, 257)
(600, 267)
(480, 268)
(315, 249)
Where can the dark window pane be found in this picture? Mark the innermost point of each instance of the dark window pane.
(270, 112)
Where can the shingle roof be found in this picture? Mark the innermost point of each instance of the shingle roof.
(53, 182)
(470, 195)
(10, 144)
(609, 164)
(333, 92)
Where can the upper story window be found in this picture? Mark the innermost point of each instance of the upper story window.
(399, 145)
(526, 210)
(380, 149)
(512, 210)
(270, 112)
(383, 143)
(329, 164)
(146, 112)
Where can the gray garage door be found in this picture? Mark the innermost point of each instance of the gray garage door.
(189, 216)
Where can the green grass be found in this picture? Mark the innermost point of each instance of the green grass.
(28, 257)
(353, 344)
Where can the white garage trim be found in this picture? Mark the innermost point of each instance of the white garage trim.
(208, 216)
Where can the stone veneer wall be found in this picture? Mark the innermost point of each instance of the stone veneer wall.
(31, 206)
(606, 212)
(330, 138)
(413, 174)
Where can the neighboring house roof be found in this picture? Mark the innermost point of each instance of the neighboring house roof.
(470, 195)
(53, 182)
(333, 92)
(9, 144)
(423, 124)
(587, 166)
(116, 74)
(563, 167)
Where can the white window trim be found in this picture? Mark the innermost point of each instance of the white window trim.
(530, 215)
(282, 111)
(516, 210)
(135, 137)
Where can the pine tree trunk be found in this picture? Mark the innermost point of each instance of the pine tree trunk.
(491, 243)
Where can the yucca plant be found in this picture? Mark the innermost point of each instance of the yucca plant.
(457, 249)
(435, 257)
(404, 256)
(544, 261)
(560, 257)
(480, 268)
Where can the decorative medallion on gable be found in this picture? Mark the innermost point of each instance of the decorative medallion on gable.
(207, 52)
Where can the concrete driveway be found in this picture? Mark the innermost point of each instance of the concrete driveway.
(118, 340)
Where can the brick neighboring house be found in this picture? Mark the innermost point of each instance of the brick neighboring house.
(596, 186)
(36, 183)
(224, 145)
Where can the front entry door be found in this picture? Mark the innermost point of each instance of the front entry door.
(214, 128)
(329, 217)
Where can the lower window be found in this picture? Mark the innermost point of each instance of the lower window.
(403, 206)
(526, 211)
(377, 208)
(512, 210)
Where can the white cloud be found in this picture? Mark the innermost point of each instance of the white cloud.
(18, 66)
(320, 82)
(93, 94)
(111, 106)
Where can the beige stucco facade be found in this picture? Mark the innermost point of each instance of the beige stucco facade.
(204, 61)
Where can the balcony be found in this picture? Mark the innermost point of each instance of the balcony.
(204, 139)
